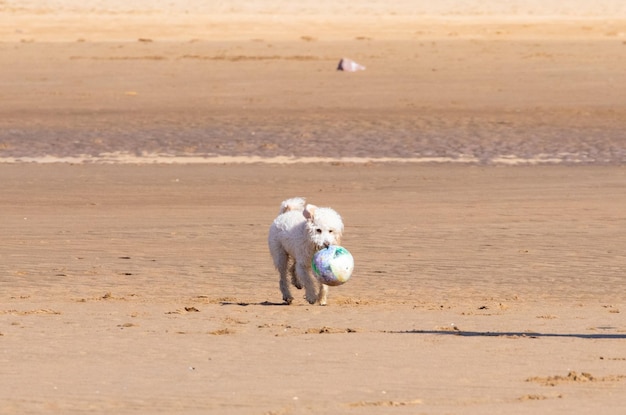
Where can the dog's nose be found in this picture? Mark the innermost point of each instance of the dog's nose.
(326, 244)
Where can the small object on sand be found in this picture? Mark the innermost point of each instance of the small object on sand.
(348, 65)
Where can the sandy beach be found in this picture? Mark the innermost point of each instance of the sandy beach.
(145, 289)
(478, 164)
(95, 81)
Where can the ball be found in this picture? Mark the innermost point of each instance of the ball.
(333, 265)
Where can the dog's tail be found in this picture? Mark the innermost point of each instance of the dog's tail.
(296, 203)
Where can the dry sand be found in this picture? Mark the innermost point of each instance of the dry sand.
(148, 288)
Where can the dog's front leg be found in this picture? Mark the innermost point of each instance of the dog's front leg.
(281, 261)
(323, 296)
(309, 282)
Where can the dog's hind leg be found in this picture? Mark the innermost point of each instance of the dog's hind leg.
(294, 277)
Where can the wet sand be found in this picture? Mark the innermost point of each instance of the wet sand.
(484, 88)
(134, 268)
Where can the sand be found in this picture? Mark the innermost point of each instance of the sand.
(150, 289)
(96, 81)
(145, 150)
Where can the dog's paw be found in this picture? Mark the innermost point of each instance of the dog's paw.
(311, 299)
(288, 300)
(296, 282)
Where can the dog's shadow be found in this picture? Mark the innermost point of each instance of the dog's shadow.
(245, 304)
(531, 335)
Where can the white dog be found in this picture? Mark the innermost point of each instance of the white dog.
(297, 233)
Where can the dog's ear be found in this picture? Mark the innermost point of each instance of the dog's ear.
(309, 211)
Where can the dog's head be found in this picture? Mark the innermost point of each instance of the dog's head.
(324, 225)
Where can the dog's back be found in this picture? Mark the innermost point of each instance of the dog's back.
(295, 203)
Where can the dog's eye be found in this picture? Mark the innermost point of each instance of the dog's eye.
(318, 230)
(330, 231)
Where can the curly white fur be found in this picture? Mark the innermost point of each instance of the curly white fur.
(296, 234)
